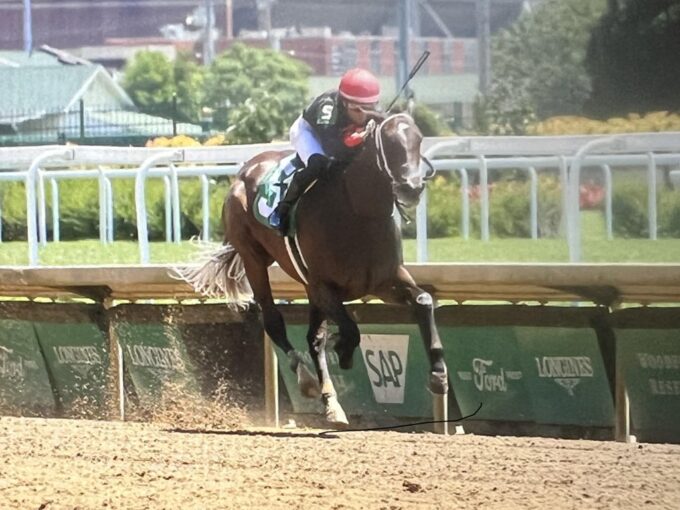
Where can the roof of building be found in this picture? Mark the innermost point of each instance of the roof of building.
(37, 90)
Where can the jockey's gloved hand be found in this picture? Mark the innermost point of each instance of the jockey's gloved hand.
(324, 166)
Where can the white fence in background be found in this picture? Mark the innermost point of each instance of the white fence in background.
(569, 154)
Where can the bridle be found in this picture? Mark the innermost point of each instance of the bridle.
(383, 165)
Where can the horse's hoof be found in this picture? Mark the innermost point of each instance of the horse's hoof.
(439, 383)
(334, 411)
(345, 356)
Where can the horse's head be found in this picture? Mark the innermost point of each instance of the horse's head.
(397, 140)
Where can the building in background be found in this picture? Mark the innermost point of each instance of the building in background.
(52, 97)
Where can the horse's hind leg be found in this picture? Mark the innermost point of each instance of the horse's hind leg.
(328, 300)
(316, 339)
(275, 326)
(405, 290)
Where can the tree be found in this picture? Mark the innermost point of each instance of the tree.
(538, 65)
(634, 58)
(256, 93)
(152, 81)
(149, 80)
(189, 78)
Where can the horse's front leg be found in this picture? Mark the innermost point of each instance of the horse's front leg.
(404, 290)
(316, 339)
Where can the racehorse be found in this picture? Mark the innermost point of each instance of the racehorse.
(349, 242)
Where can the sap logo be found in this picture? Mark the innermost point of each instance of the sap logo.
(385, 357)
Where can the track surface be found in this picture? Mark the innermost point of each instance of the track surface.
(60, 464)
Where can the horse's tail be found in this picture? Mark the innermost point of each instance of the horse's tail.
(220, 275)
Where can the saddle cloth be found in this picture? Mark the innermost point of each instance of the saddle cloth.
(273, 188)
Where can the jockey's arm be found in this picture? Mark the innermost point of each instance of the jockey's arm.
(305, 140)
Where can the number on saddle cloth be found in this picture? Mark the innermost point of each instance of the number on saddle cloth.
(273, 188)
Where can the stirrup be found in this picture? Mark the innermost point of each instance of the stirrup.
(274, 220)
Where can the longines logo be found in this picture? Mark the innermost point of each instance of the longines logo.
(567, 371)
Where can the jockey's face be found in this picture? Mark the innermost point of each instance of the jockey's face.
(358, 113)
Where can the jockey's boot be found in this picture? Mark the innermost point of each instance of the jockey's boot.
(280, 218)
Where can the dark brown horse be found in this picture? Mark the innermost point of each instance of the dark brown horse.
(351, 246)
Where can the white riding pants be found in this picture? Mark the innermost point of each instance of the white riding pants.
(304, 139)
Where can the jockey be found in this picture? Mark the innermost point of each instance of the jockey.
(328, 135)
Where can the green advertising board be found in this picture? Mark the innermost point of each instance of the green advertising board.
(24, 382)
(389, 375)
(527, 363)
(565, 375)
(156, 360)
(77, 357)
(648, 353)
(485, 367)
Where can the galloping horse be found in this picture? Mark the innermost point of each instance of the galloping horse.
(349, 242)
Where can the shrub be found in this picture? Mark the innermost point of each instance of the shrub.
(509, 206)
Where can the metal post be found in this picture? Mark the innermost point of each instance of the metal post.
(483, 45)
(174, 115)
(651, 196)
(31, 212)
(421, 227)
(42, 209)
(103, 220)
(176, 217)
(56, 235)
(465, 203)
(109, 209)
(271, 383)
(167, 200)
(404, 42)
(229, 20)
(208, 43)
(28, 27)
(573, 207)
(81, 118)
(140, 203)
(205, 206)
(534, 202)
(622, 429)
(484, 197)
(608, 201)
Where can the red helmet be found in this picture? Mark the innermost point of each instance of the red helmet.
(359, 86)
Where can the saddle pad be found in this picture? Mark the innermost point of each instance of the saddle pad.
(272, 188)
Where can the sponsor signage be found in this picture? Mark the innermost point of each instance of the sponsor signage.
(386, 360)
(565, 376)
(485, 367)
(388, 377)
(24, 383)
(650, 359)
(156, 359)
(77, 359)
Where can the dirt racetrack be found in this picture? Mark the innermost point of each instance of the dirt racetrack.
(67, 464)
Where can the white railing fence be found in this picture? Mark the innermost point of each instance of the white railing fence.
(566, 154)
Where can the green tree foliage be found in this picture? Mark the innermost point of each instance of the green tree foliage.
(634, 58)
(189, 79)
(149, 80)
(538, 66)
(256, 93)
